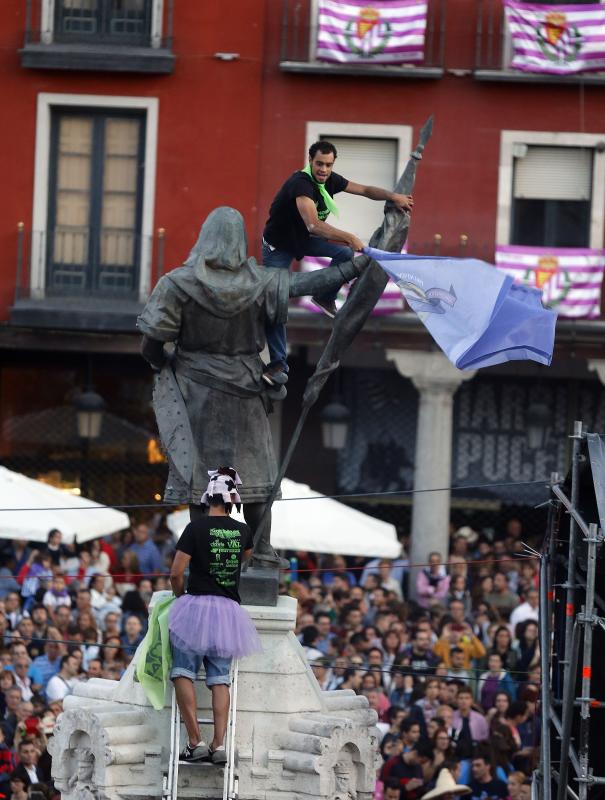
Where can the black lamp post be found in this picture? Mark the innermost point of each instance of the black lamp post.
(537, 418)
(89, 416)
(335, 418)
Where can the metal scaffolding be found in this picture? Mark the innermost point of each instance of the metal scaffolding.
(566, 628)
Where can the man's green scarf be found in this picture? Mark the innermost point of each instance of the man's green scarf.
(328, 200)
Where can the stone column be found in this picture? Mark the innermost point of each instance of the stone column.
(436, 380)
(598, 365)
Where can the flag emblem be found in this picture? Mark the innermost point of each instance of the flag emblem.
(368, 19)
(429, 301)
(368, 35)
(554, 282)
(547, 267)
(559, 39)
(570, 279)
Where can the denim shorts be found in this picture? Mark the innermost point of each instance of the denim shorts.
(187, 665)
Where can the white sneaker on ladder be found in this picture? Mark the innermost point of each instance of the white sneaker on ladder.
(225, 756)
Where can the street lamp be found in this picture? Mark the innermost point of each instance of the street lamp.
(335, 419)
(89, 416)
(536, 422)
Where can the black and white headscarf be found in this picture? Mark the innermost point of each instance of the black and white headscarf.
(223, 481)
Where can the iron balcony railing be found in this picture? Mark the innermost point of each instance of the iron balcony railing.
(299, 35)
(99, 22)
(85, 262)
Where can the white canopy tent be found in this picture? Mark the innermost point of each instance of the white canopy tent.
(49, 508)
(318, 524)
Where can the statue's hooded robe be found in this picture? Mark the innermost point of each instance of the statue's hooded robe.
(214, 309)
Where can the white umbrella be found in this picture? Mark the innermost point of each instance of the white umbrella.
(73, 516)
(318, 524)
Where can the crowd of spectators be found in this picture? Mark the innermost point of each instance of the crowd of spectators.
(453, 674)
(67, 613)
(446, 653)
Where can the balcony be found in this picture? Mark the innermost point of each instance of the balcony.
(299, 31)
(494, 52)
(84, 279)
(99, 35)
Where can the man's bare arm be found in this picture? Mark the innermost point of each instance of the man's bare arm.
(308, 212)
(177, 572)
(404, 202)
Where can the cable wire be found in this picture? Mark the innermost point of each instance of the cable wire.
(359, 495)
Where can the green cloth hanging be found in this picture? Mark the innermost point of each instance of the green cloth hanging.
(154, 659)
(328, 199)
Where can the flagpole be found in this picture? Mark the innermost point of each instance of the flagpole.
(366, 292)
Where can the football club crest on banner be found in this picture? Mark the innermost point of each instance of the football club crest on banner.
(380, 32)
(556, 39)
(570, 279)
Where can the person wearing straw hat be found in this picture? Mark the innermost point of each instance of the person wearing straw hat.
(207, 624)
(446, 788)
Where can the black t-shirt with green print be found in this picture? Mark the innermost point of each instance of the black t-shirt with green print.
(215, 545)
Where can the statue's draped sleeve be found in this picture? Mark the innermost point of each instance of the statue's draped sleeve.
(277, 295)
(161, 317)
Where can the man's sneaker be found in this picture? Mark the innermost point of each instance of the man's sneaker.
(327, 306)
(197, 753)
(218, 756)
(275, 376)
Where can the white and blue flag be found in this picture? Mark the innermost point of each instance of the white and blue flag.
(477, 314)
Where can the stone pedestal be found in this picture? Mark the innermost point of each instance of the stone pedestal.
(259, 586)
(293, 741)
(436, 380)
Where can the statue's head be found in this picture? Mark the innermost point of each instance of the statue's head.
(222, 242)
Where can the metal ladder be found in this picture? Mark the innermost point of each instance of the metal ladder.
(230, 781)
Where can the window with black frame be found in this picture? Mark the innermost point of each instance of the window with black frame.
(93, 237)
(113, 21)
(552, 196)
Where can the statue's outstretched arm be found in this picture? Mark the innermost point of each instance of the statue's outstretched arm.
(323, 281)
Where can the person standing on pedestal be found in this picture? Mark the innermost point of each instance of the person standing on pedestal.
(297, 227)
(207, 624)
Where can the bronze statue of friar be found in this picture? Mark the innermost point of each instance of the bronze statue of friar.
(210, 401)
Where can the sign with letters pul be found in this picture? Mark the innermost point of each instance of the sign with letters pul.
(490, 439)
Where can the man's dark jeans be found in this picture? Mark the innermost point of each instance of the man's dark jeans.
(319, 248)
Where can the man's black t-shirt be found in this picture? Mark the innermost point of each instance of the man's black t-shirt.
(488, 791)
(285, 229)
(215, 545)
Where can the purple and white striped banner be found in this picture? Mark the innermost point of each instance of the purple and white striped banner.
(560, 40)
(390, 302)
(371, 31)
(571, 279)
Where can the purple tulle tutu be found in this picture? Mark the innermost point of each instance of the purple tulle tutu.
(212, 626)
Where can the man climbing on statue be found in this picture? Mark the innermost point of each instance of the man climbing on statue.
(297, 227)
(208, 627)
